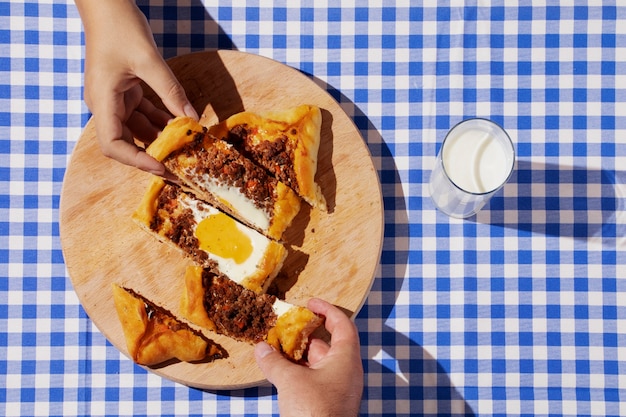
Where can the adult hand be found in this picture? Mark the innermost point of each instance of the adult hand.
(120, 52)
(332, 383)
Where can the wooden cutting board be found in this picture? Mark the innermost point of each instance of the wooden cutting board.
(332, 255)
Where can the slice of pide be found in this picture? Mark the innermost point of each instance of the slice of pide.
(210, 237)
(216, 172)
(286, 143)
(153, 335)
(217, 303)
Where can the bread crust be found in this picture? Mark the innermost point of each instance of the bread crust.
(291, 333)
(171, 139)
(154, 336)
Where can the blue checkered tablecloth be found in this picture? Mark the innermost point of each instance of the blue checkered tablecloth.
(520, 310)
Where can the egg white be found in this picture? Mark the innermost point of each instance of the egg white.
(230, 268)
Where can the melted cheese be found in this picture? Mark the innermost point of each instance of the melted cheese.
(237, 258)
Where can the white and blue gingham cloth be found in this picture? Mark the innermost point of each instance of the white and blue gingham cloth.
(519, 310)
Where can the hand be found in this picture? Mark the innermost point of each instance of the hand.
(120, 53)
(332, 383)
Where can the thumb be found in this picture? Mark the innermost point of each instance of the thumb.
(161, 79)
(273, 364)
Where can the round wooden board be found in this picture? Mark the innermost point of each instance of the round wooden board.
(332, 255)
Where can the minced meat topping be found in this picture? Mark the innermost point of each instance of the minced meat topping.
(227, 165)
(275, 155)
(236, 311)
(177, 223)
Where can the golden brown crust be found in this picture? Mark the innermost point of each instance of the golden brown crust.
(192, 301)
(148, 207)
(170, 139)
(154, 336)
(267, 269)
(286, 208)
(131, 312)
(227, 307)
(300, 126)
(292, 330)
(200, 160)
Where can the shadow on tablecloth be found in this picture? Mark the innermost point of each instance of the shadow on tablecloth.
(561, 201)
(401, 377)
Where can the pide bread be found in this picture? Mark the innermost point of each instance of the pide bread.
(286, 143)
(239, 186)
(217, 303)
(216, 172)
(153, 335)
(210, 237)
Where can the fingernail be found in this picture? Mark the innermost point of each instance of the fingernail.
(167, 175)
(190, 111)
(263, 349)
(159, 172)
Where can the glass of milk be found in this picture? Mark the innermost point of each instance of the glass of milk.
(475, 160)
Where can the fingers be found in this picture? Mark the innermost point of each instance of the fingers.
(155, 115)
(341, 328)
(122, 117)
(161, 79)
(129, 154)
(274, 365)
(147, 121)
(145, 162)
(318, 349)
(116, 135)
(142, 128)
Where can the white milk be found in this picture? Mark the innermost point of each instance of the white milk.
(475, 161)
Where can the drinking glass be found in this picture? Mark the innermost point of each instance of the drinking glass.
(475, 160)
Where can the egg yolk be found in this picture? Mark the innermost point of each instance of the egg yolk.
(219, 234)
